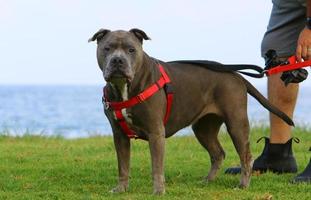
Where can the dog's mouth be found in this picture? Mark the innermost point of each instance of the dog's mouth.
(118, 81)
(116, 72)
(118, 77)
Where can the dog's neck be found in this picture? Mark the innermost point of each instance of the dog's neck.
(119, 90)
(146, 75)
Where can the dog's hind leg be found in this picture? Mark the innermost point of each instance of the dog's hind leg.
(206, 131)
(238, 128)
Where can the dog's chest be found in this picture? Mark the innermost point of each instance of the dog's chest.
(126, 116)
(123, 90)
(130, 115)
(124, 94)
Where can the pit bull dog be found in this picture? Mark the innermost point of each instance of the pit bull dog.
(202, 98)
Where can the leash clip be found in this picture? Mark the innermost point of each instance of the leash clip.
(264, 72)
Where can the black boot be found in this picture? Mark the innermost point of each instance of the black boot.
(305, 176)
(260, 163)
(280, 158)
(277, 158)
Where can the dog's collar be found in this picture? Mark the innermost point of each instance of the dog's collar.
(163, 82)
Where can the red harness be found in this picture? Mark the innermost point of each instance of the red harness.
(163, 82)
(291, 64)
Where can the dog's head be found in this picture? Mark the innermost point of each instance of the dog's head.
(119, 53)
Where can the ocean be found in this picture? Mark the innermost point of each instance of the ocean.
(77, 111)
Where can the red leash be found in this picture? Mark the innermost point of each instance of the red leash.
(291, 64)
(163, 82)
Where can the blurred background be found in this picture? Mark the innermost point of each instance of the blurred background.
(49, 79)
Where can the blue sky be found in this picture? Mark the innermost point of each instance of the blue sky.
(45, 42)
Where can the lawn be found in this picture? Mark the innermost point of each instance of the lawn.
(36, 167)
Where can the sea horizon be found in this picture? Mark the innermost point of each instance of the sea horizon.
(75, 110)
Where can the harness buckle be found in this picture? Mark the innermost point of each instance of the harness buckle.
(106, 105)
(141, 97)
(168, 88)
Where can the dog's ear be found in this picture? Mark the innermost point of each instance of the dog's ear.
(141, 35)
(99, 35)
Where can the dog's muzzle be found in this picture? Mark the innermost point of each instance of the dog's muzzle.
(118, 68)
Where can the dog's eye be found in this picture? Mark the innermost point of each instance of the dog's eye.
(107, 49)
(131, 50)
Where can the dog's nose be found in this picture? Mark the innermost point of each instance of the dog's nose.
(117, 61)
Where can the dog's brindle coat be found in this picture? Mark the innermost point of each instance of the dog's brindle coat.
(203, 98)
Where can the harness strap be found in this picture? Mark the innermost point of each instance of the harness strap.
(169, 100)
(123, 124)
(164, 81)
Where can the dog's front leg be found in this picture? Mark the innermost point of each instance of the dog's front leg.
(122, 146)
(157, 149)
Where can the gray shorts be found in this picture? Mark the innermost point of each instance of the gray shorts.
(288, 18)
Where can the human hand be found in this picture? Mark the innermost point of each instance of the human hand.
(303, 50)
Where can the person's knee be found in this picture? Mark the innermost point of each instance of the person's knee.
(281, 94)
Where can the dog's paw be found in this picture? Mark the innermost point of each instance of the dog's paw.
(159, 185)
(119, 189)
(205, 180)
(209, 178)
(159, 192)
(244, 182)
(243, 186)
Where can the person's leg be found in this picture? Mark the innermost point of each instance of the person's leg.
(277, 155)
(285, 25)
(285, 99)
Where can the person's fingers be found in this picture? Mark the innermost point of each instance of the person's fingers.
(298, 53)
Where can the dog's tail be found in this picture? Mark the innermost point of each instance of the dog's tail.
(265, 103)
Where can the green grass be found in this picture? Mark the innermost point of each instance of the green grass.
(33, 167)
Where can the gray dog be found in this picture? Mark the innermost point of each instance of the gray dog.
(202, 98)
